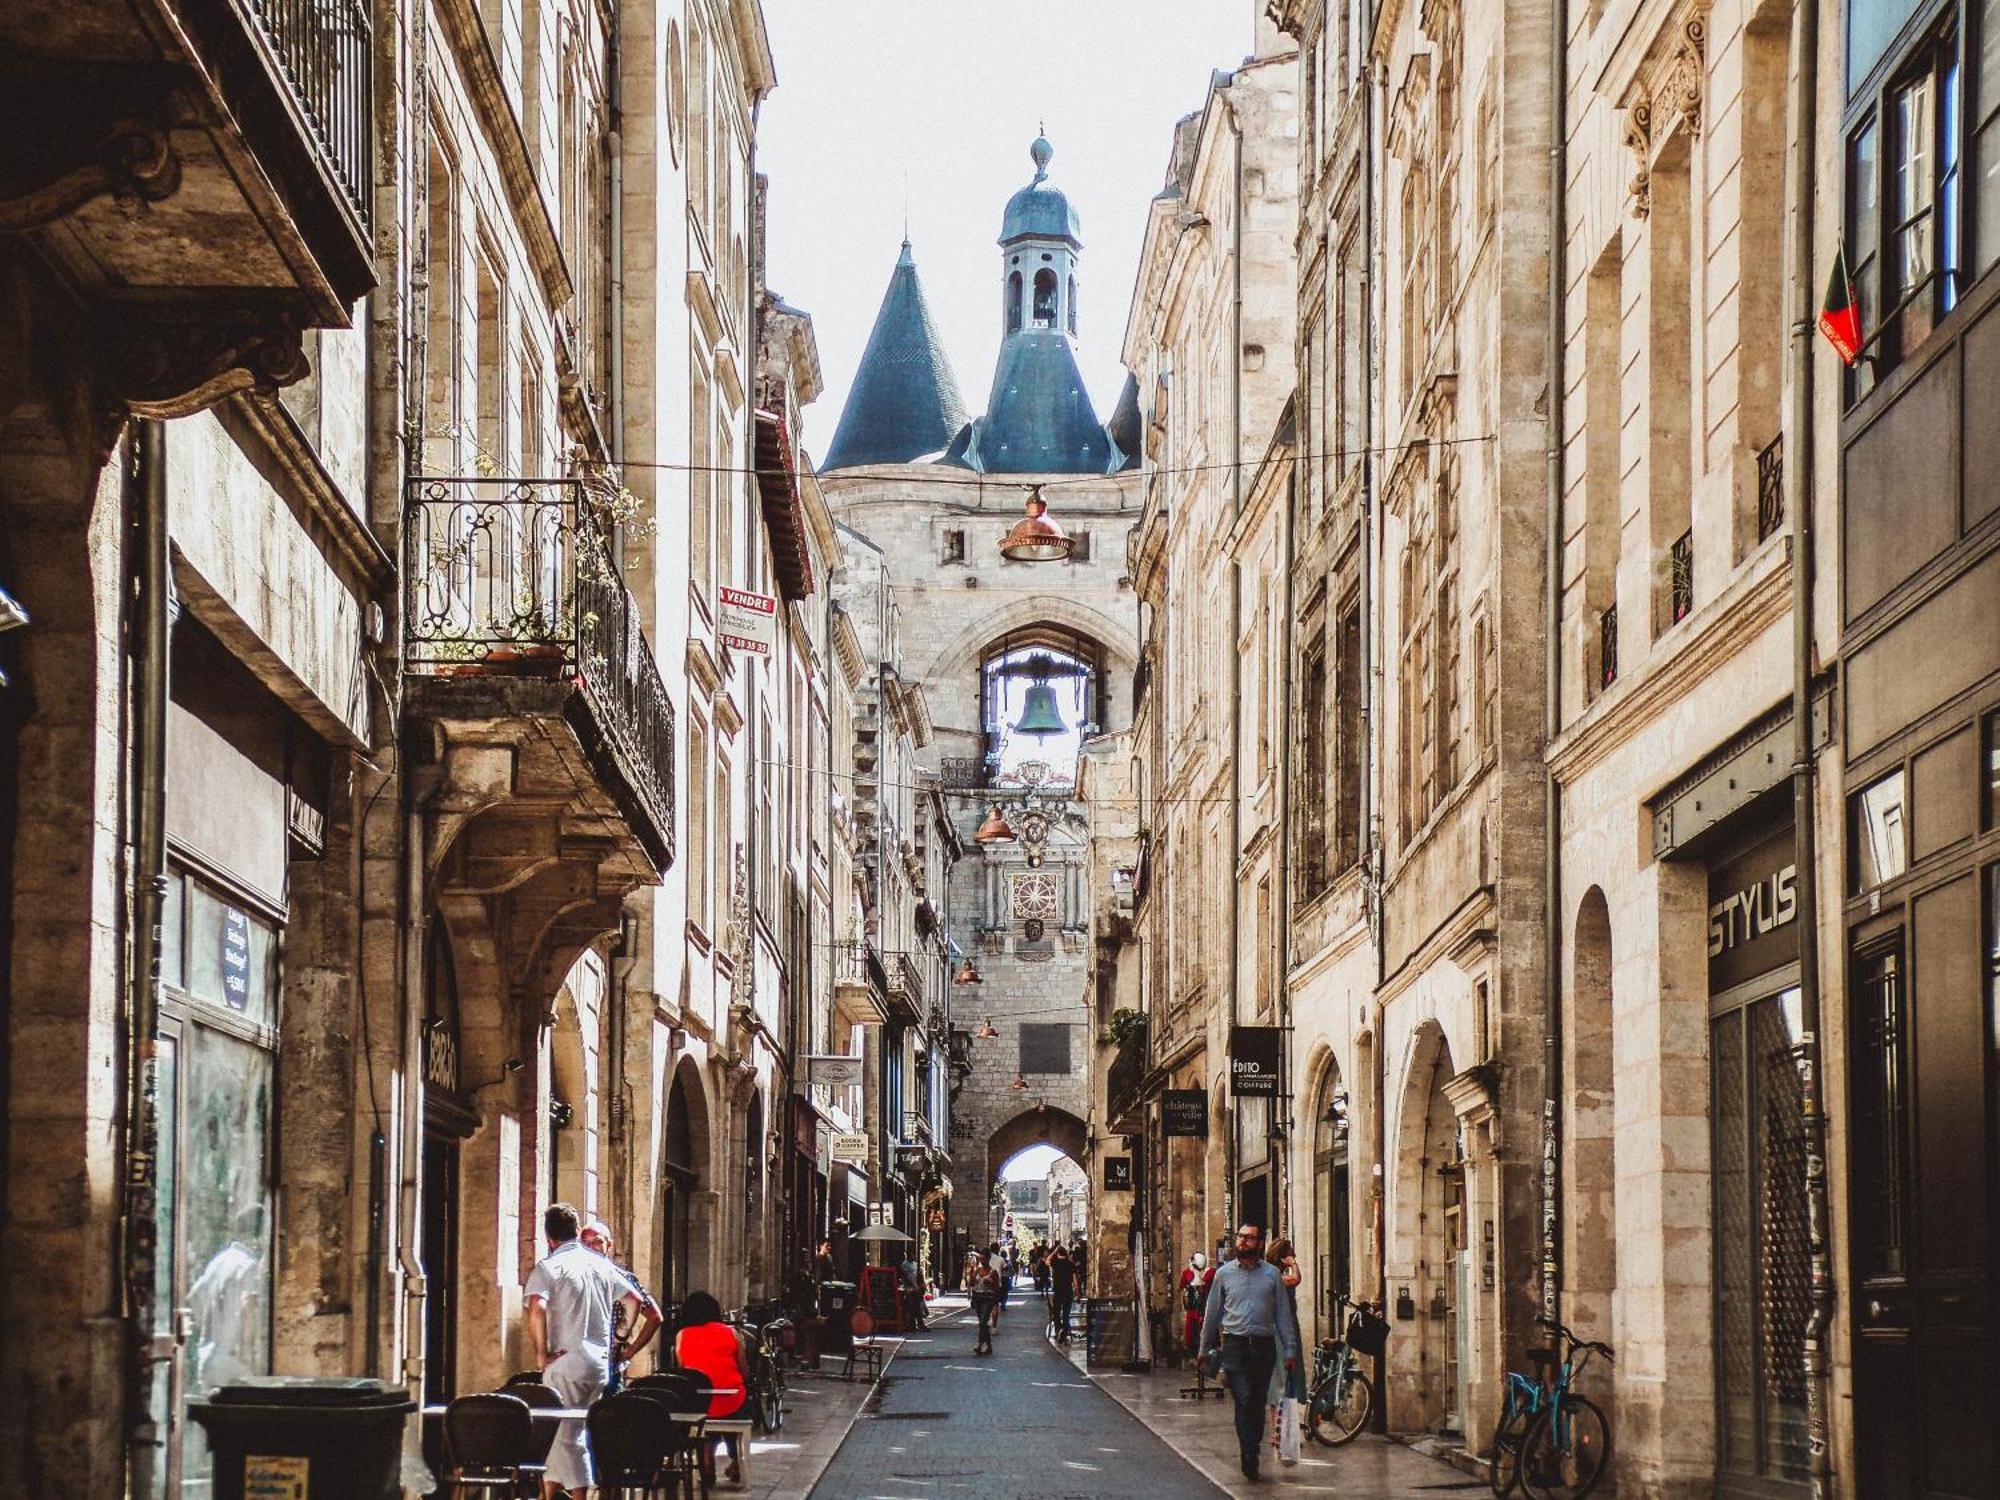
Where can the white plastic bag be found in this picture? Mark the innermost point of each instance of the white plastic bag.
(1288, 1431)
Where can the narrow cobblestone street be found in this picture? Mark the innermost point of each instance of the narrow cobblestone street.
(1027, 1421)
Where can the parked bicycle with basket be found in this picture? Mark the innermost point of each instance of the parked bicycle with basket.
(1341, 1398)
(1550, 1441)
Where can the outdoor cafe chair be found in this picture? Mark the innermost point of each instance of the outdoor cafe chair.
(489, 1440)
(631, 1443)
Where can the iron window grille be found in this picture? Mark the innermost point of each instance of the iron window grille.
(1771, 488)
(1680, 598)
(1607, 646)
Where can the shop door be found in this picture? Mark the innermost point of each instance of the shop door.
(1448, 1297)
(676, 1238)
(1923, 1132)
(440, 1251)
(1762, 1253)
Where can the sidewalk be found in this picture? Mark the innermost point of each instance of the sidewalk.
(1204, 1433)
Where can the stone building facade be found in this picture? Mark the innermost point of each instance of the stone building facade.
(346, 644)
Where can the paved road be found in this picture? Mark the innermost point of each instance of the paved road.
(1020, 1422)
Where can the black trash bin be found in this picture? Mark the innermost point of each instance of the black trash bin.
(837, 1301)
(306, 1437)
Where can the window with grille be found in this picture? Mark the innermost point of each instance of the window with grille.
(1680, 588)
(1044, 1047)
(1314, 731)
(1771, 488)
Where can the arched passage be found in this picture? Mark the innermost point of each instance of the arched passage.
(684, 1198)
(1590, 1168)
(1329, 1215)
(1429, 1234)
(1041, 1125)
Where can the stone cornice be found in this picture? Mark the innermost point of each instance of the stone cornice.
(1719, 633)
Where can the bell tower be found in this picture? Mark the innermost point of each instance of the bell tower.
(1039, 242)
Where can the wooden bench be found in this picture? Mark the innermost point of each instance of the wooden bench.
(739, 1428)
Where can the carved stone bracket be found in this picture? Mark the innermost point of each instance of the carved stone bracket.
(1667, 99)
(133, 163)
(175, 369)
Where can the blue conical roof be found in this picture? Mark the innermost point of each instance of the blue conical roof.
(904, 404)
(1039, 419)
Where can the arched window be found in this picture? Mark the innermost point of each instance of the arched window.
(1072, 307)
(1039, 700)
(1045, 298)
(1014, 302)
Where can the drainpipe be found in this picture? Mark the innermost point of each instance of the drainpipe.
(152, 624)
(1375, 856)
(1234, 1143)
(1282, 965)
(1552, 720)
(1798, 503)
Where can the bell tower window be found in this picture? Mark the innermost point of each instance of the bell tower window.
(1045, 298)
(1014, 302)
(1071, 310)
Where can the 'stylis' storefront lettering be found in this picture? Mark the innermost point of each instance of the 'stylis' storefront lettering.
(1745, 915)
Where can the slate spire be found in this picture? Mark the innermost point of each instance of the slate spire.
(904, 404)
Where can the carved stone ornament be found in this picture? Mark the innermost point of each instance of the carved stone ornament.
(1638, 140)
(175, 369)
(133, 163)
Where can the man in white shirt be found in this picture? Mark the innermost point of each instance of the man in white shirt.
(573, 1296)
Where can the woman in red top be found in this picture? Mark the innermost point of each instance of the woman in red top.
(712, 1349)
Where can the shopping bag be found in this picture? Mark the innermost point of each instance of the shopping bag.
(1288, 1431)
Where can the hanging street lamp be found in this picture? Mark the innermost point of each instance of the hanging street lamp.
(967, 973)
(1036, 537)
(995, 830)
(987, 1030)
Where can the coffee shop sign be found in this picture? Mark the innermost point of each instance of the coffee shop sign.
(1746, 915)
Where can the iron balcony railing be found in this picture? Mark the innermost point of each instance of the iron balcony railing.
(323, 48)
(1771, 488)
(516, 577)
(1680, 590)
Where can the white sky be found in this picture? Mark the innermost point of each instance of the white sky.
(1031, 1165)
(945, 95)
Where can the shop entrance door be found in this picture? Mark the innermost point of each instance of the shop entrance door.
(1762, 1254)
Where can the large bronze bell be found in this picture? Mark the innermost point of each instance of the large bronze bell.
(1039, 718)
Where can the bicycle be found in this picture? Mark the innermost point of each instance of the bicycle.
(766, 1376)
(1552, 1442)
(1340, 1399)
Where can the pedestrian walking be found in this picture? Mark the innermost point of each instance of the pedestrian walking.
(1038, 1267)
(918, 1314)
(1062, 1289)
(1196, 1277)
(572, 1296)
(983, 1282)
(628, 1335)
(1249, 1324)
(714, 1349)
(997, 1260)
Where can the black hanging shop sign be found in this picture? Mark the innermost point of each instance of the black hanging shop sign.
(1254, 1053)
(1117, 1174)
(1184, 1112)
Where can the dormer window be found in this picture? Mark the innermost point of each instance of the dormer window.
(1045, 298)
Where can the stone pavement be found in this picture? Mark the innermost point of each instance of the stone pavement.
(819, 1410)
(1203, 1433)
(1020, 1422)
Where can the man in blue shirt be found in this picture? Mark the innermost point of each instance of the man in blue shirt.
(1249, 1321)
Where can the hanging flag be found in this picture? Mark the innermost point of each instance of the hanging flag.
(1840, 316)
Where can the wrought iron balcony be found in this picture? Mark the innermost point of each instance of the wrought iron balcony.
(513, 607)
(906, 988)
(1771, 488)
(322, 48)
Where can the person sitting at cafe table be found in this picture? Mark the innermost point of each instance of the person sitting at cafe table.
(714, 1349)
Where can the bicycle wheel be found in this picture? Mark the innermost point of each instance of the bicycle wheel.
(1335, 1416)
(1505, 1472)
(1566, 1450)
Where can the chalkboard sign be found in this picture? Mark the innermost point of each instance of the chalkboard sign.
(881, 1294)
(1108, 1331)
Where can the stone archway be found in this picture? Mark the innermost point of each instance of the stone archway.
(686, 1193)
(1426, 1234)
(1590, 1176)
(1039, 1125)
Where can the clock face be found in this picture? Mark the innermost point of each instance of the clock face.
(1034, 896)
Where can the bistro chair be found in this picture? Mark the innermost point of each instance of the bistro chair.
(542, 1437)
(488, 1442)
(631, 1438)
(678, 1391)
(524, 1377)
(683, 1386)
